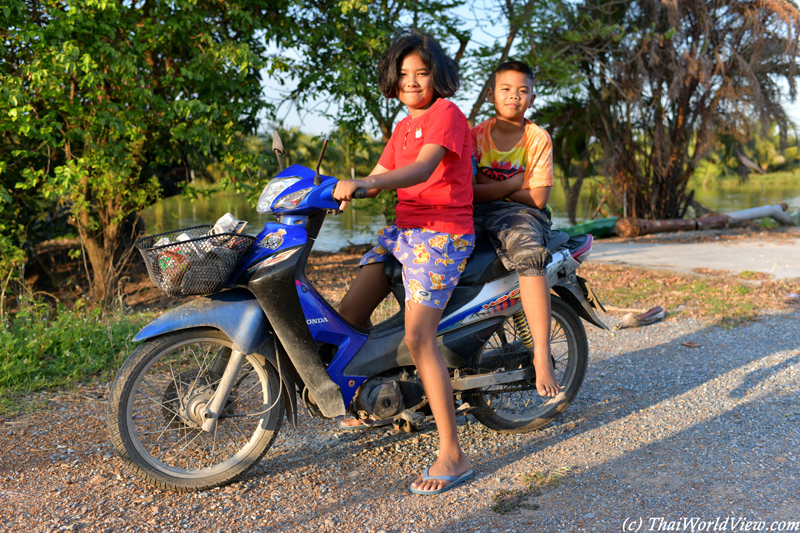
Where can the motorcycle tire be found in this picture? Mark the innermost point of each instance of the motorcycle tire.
(517, 407)
(155, 412)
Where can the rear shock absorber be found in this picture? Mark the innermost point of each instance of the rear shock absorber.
(524, 331)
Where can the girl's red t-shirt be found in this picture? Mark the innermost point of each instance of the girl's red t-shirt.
(443, 203)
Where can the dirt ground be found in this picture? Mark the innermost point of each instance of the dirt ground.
(677, 423)
(681, 420)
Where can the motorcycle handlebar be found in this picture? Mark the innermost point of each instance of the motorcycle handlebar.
(357, 195)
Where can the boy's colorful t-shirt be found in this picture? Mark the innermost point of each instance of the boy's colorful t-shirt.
(533, 154)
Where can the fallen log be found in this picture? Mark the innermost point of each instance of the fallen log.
(777, 212)
(633, 227)
(712, 220)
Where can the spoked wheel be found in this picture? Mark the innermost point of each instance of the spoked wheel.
(517, 407)
(156, 403)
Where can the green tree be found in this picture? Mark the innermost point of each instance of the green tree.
(659, 81)
(99, 97)
(332, 49)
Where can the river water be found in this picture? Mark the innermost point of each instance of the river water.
(359, 226)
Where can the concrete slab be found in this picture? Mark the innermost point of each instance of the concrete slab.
(778, 258)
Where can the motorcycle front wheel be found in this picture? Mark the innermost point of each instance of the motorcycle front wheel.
(517, 407)
(156, 403)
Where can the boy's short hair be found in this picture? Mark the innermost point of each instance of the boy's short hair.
(444, 71)
(516, 66)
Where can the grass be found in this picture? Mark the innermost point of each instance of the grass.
(386, 309)
(749, 274)
(722, 299)
(507, 501)
(43, 349)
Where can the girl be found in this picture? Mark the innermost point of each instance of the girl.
(428, 161)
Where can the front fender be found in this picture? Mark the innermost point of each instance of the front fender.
(236, 313)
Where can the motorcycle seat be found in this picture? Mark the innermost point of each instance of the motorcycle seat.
(483, 264)
(557, 238)
(483, 260)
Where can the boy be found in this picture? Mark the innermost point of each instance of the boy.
(514, 159)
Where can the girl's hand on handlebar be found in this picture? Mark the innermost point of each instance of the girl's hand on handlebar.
(345, 190)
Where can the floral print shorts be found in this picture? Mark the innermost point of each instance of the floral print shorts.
(432, 262)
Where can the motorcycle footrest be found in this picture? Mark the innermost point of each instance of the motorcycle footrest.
(415, 418)
(480, 381)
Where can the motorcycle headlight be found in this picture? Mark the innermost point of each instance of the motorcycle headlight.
(290, 201)
(271, 191)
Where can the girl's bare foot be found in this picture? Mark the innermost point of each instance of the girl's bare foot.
(546, 381)
(355, 423)
(442, 467)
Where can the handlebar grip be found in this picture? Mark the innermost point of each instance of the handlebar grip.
(360, 193)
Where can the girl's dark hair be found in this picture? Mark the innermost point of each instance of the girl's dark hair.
(444, 71)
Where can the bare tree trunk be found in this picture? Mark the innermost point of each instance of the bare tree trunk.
(573, 193)
(101, 245)
(100, 263)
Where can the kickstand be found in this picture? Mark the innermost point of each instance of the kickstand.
(463, 409)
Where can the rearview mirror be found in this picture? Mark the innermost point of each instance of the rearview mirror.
(277, 147)
(277, 144)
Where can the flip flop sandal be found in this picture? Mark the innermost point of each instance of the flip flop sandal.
(454, 480)
(643, 319)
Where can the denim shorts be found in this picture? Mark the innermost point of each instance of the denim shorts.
(432, 262)
(519, 234)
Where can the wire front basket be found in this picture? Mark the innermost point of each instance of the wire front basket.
(190, 261)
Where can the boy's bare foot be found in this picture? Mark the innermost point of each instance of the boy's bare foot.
(546, 381)
(442, 467)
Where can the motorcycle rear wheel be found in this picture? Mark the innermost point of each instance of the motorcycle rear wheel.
(517, 407)
(155, 409)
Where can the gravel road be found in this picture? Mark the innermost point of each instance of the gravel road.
(660, 432)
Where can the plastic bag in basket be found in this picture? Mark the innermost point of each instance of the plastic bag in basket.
(173, 265)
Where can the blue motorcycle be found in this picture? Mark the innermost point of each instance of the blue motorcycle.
(200, 401)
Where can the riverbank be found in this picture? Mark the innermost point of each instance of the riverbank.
(771, 255)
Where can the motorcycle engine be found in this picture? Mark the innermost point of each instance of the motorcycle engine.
(380, 398)
(385, 397)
